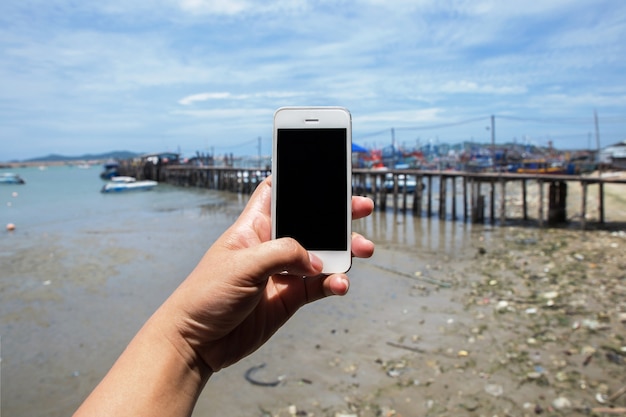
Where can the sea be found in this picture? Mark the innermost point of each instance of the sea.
(82, 270)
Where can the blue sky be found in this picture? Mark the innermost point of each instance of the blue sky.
(197, 75)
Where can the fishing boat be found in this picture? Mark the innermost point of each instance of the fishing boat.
(122, 183)
(541, 166)
(11, 178)
(111, 168)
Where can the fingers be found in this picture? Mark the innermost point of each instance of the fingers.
(361, 207)
(361, 247)
(297, 291)
(322, 286)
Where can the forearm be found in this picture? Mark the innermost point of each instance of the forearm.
(155, 375)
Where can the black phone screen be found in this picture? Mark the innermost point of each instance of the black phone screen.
(311, 193)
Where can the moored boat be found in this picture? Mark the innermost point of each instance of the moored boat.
(121, 183)
(111, 169)
(11, 178)
(543, 167)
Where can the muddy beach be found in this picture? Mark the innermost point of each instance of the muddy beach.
(447, 319)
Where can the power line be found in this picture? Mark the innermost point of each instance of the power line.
(554, 120)
(443, 125)
(426, 127)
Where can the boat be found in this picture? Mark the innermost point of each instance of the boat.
(11, 178)
(543, 167)
(404, 181)
(122, 183)
(111, 169)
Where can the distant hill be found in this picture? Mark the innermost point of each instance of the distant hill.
(86, 157)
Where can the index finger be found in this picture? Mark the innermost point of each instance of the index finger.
(361, 207)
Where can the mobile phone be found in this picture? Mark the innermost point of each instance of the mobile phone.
(312, 182)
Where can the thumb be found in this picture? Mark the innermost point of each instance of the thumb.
(284, 255)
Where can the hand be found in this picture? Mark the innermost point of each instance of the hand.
(236, 298)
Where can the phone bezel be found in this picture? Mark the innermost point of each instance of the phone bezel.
(318, 118)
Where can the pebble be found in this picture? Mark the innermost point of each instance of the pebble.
(502, 306)
(550, 295)
(494, 390)
(561, 403)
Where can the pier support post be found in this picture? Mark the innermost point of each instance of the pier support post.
(557, 202)
(583, 208)
(478, 203)
(395, 193)
(465, 210)
(502, 201)
(443, 184)
(540, 182)
(429, 203)
(454, 198)
(524, 201)
(404, 194)
(601, 202)
(417, 195)
(492, 202)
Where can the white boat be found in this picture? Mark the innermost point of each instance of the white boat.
(122, 178)
(121, 183)
(10, 178)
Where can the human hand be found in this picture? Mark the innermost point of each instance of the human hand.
(236, 297)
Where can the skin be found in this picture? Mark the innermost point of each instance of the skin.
(231, 303)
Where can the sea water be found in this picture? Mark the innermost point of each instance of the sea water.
(69, 197)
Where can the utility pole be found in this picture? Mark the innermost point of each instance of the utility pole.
(259, 151)
(600, 184)
(393, 148)
(493, 140)
(595, 118)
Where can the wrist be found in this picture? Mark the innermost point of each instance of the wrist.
(168, 330)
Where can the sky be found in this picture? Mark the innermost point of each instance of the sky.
(79, 76)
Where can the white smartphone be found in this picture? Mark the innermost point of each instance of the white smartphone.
(312, 182)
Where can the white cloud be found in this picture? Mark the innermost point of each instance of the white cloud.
(195, 98)
(227, 7)
(185, 101)
(403, 116)
(462, 87)
(239, 7)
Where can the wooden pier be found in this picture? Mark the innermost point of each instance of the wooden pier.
(450, 195)
(468, 194)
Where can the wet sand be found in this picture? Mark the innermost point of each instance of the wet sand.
(445, 319)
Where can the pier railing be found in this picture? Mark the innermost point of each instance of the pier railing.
(452, 195)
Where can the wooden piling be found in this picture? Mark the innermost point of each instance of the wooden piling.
(465, 211)
(557, 202)
(442, 197)
(429, 203)
(502, 200)
(492, 202)
(601, 201)
(524, 201)
(583, 208)
(540, 183)
(454, 198)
